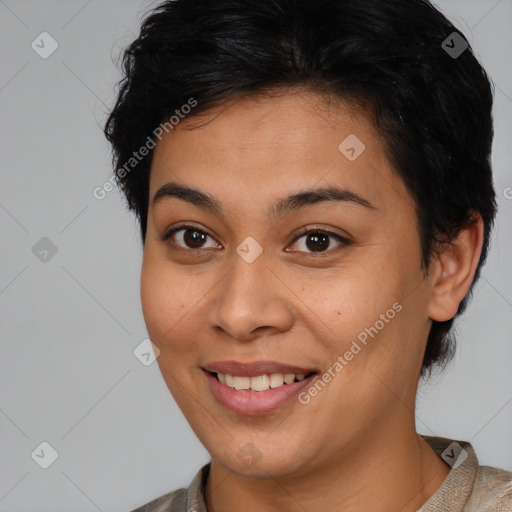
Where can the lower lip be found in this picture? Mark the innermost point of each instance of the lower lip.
(255, 402)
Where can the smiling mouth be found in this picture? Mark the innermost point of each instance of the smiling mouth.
(260, 382)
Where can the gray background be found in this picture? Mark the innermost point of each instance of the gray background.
(68, 375)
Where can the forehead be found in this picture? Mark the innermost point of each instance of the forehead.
(302, 122)
(256, 147)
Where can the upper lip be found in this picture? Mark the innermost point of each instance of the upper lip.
(254, 368)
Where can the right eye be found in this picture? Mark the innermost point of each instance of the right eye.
(191, 237)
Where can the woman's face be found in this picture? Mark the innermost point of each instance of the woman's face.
(245, 285)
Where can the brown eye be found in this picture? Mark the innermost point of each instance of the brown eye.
(190, 238)
(319, 241)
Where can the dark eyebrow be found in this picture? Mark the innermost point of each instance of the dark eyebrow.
(279, 209)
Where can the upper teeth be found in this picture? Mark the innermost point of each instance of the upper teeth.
(261, 382)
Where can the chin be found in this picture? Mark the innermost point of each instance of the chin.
(260, 459)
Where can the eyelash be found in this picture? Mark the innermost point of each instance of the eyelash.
(343, 241)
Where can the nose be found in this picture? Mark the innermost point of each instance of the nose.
(251, 301)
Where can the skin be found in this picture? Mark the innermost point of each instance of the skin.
(354, 446)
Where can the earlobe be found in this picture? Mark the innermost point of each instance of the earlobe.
(454, 269)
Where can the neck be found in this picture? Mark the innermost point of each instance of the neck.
(394, 471)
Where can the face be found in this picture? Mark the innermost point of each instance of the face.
(255, 287)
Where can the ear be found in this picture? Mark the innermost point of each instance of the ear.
(453, 270)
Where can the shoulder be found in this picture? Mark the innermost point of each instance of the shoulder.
(492, 490)
(181, 500)
(469, 486)
(175, 501)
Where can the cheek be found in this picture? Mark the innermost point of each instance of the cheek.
(170, 303)
(153, 300)
(365, 293)
(161, 299)
(375, 317)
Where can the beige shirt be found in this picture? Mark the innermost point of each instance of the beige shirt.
(468, 487)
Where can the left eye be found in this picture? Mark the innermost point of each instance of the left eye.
(319, 241)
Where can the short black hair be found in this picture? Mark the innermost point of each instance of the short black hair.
(398, 59)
